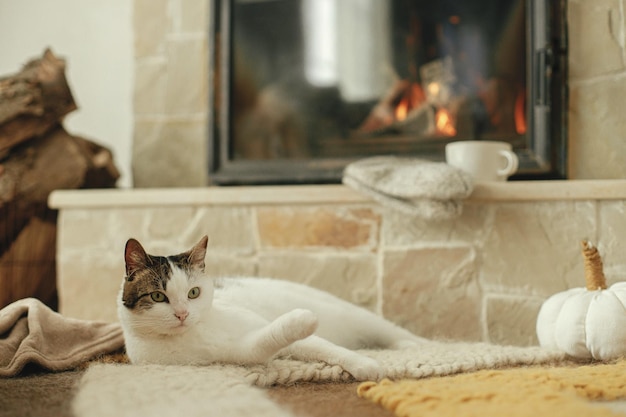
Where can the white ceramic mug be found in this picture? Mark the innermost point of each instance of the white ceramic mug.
(484, 160)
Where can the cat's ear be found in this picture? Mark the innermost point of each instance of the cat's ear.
(198, 253)
(134, 256)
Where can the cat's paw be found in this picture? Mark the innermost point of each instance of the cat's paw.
(296, 325)
(364, 369)
(299, 323)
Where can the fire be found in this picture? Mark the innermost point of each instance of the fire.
(444, 123)
(402, 109)
(412, 98)
(520, 113)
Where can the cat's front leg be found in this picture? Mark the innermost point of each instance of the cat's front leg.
(261, 345)
(315, 348)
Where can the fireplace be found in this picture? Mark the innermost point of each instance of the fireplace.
(303, 87)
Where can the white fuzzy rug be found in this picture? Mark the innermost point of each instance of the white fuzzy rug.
(154, 390)
(227, 390)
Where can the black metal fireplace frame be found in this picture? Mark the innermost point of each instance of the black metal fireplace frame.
(543, 156)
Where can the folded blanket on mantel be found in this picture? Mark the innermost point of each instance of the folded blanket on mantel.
(426, 189)
(30, 332)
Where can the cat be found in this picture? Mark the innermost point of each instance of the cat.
(171, 312)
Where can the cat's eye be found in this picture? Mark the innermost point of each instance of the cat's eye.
(194, 292)
(158, 297)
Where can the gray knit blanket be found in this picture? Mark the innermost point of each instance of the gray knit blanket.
(426, 189)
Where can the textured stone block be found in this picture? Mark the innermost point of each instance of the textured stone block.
(534, 248)
(298, 227)
(169, 223)
(151, 23)
(230, 266)
(103, 229)
(194, 16)
(595, 37)
(88, 285)
(170, 153)
(401, 229)
(77, 228)
(512, 320)
(611, 239)
(596, 129)
(433, 292)
(150, 86)
(351, 277)
(229, 229)
(187, 77)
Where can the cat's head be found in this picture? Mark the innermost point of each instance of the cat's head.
(164, 294)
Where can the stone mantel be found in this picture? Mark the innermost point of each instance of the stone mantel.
(326, 194)
(479, 277)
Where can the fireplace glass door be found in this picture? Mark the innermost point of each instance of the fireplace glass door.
(303, 87)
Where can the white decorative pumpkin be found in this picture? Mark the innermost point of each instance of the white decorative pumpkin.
(586, 322)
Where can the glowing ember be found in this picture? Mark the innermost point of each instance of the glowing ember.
(434, 89)
(444, 124)
(412, 98)
(402, 109)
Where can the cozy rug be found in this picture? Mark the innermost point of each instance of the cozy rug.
(429, 359)
(564, 391)
(228, 390)
(154, 390)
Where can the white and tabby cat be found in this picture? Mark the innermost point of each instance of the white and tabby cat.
(173, 313)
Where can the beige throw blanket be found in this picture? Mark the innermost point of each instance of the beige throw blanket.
(30, 332)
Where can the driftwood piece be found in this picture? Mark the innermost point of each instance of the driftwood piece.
(101, 169)
(28, 267)
(38, 156)
(35, 168)
(33, 100)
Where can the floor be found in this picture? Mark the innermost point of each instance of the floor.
(50, 395)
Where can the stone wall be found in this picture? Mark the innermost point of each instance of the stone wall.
(597, 83)
(481, 277)
(171, 82)
(171, 93)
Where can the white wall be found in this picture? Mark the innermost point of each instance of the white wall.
(96, 39)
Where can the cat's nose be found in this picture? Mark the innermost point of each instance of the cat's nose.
(181, 315)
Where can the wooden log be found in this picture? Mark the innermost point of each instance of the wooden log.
(33, 100)
(38, 156)
(35, 168)
(28, 267)
(101, 169)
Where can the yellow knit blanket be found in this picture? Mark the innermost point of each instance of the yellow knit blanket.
(535, 392)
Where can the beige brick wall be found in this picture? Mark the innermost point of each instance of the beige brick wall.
(597, 82)
(171, 93)
(481, 277)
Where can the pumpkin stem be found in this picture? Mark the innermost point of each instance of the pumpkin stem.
(594, 276)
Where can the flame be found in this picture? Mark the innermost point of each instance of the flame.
(520, 113)
(402, 109)
(444, 123)
(412, 97)
(434, 89)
